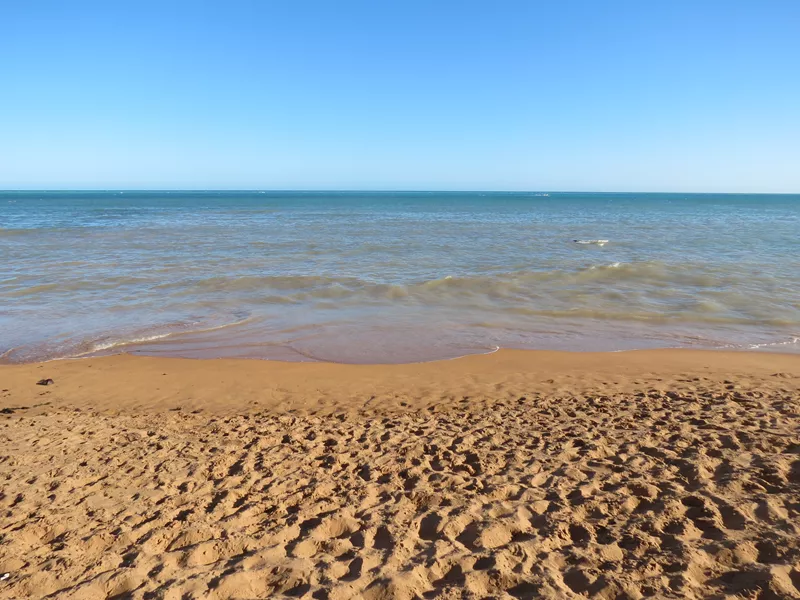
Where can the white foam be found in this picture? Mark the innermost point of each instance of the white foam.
(794, 340)
(615, 265)
(113, 344)
(101, 346)
(595, 242)
(492, 351)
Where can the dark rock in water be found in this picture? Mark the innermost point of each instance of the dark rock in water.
(45, 382)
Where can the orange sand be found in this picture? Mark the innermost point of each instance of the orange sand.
(669, 473)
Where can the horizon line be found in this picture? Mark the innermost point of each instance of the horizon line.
(387, 191)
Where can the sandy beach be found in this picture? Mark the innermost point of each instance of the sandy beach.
(520, 474)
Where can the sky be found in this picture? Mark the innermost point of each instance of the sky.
(696, 95)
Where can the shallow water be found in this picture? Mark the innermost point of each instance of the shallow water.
(393, 277)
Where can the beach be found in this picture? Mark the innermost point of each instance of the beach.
(516, 474)
(399, 301)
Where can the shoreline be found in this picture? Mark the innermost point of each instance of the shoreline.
(191, 345)
(125, 382)
(754, 349)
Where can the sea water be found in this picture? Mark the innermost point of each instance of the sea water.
(376, 277)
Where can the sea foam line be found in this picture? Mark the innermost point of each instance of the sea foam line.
(100, 346)
(794, 340)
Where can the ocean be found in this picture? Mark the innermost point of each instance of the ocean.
(386, 277)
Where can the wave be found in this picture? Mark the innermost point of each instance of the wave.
(647, 291)
(104, 343)
(644, 273)
(616, 281)
(594, 242)
(791, 342)
(649, 316)
(615, 265)
(281, 288)
(108, 345)
(77, 285)
(255, 282)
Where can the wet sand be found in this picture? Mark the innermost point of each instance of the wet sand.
(670, 473)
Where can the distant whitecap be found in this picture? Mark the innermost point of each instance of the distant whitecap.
(595, 242)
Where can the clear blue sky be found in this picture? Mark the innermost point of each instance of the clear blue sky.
(696, 95)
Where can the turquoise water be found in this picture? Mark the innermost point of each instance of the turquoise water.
(393, 277)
